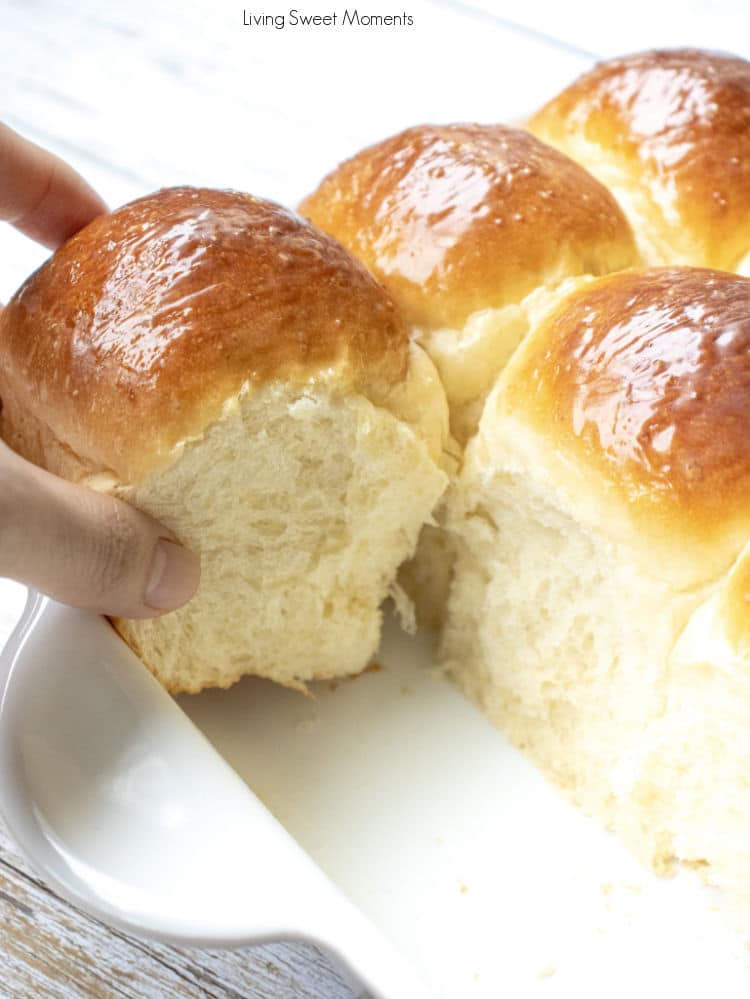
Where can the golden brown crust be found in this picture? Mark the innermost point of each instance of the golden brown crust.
(458, 218)
(133, 335)
(644, 377)
(678, 123)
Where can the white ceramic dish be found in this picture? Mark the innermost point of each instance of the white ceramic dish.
(386, 821)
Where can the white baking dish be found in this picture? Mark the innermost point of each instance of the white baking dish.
(383, 818)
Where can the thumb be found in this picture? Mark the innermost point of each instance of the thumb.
(87, 549)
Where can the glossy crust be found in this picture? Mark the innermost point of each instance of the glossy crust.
(135, 333)
(458, 218)
(644, 378)
(676, 123)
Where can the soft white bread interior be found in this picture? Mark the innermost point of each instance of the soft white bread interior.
(219, 363)
(465, 225)
(600, 604)
(668, 132)
(474, 229)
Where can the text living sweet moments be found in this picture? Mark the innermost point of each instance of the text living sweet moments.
(346, 18)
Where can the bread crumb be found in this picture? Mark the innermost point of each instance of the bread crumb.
(404, 607)
(370, 668)
(463, 889)
(606, 887)
(547, 972)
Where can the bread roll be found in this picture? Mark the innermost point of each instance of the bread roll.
(467, 226)
(669, 133)
(216, 361)
(599, 608)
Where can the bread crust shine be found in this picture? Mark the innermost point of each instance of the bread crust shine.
(454, 219)
(645, 377)
(132, 336)
(226, 368)
(598, 609)
(669, 129)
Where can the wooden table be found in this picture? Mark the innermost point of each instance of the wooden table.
(50, 949)
(151, 93)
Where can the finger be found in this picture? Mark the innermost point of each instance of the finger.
(87, 549)
(40, 194)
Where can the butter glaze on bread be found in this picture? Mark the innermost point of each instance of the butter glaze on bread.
(669, 133)
(599, 607)
(224, 366)
(137, 330)
(462, 223)
(644, 382)
(474, 230)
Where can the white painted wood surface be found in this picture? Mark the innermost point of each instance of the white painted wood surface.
(151, 93)
(49, 949)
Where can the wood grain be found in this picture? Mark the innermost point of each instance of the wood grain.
(51, 950)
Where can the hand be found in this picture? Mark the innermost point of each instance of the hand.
(79, 546)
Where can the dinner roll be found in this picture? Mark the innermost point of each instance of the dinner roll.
(599, 608)
(669, 133)
(220, 364)
(467, 226)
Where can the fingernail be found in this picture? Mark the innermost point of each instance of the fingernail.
(174, 576)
